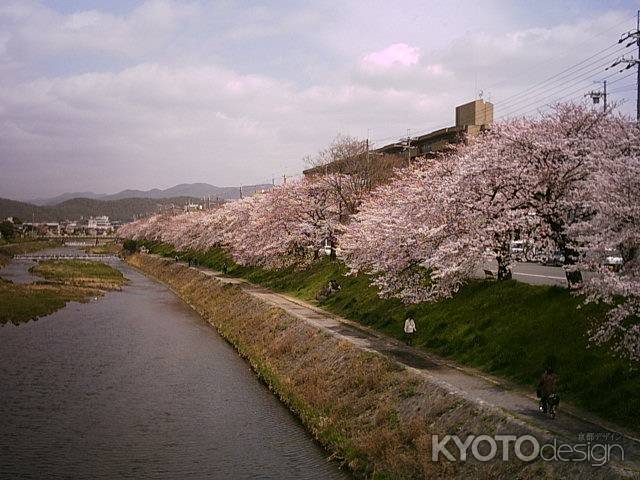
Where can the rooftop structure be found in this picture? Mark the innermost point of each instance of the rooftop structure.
(471, 118)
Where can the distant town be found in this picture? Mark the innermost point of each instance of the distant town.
(91, 226)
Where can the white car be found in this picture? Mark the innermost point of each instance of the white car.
(517, 249)
(613, 262)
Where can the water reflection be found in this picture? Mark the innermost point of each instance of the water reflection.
(135, 385)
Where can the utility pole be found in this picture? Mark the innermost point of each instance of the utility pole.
(367, 150)
(634, 36)
(407, 146)
(240, 191)
(368, 134)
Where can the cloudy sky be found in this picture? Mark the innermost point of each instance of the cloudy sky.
(103, 95)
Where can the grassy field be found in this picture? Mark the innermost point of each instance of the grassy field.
(509, 329)
(66, 281)
(80, 273)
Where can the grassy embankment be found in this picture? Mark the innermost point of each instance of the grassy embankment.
(65, 281)
(9, 249)
(370, 413)
(106, 249)
(509, 329)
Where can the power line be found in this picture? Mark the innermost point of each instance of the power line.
(554, 83)
(634, 36)
(581, 81)
(590, 39)
(566, 97)
(566, 70)
(601, 63)
(532, 98)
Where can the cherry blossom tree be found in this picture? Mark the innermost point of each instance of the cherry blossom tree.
(351, 171)
(567, 181)
(528, 179)
(613, 231)
(493, 194)
(558, 155)
(409, 234)
(284, 226)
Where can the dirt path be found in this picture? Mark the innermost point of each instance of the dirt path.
(570, 424)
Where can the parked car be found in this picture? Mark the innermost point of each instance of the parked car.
(613, 262)
(556, 259)
(517, 246)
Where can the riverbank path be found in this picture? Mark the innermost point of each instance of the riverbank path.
(570, 424)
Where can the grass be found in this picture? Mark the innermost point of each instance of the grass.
(12, 249)
(509, 329)
(373, 416)
(66, 281)
(21, 303)
(80, 273)
(8, 250)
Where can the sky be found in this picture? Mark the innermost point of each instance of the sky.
(104, 95)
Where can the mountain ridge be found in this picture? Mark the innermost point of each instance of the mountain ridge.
(124, 210)
(195, 190)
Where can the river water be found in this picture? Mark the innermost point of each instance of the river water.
(136, 385)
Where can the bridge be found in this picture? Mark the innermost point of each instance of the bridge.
(62, 256)
(76, 237)
(78, 240)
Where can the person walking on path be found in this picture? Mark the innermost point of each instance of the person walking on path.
(409, 330)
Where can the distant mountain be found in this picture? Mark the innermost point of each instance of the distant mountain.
(196, 190)
(64, 197)
(123, 209)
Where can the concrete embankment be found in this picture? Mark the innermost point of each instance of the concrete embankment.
(370, 412)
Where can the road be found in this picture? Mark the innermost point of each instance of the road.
(532, 273)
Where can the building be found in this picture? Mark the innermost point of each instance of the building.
(99, 225)
(192, 207)
(102, 223)
(69, 227)
(470, 119)
(41, 229)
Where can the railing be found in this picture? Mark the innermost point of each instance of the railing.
(53, 256)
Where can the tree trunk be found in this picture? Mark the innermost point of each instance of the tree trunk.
(332, 244)
(574, 277)
(504, 272)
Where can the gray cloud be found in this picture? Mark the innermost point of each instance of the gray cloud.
(162, 94)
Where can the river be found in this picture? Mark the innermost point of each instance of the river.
(136, 385)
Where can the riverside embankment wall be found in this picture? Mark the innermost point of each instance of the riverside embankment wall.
(372, 414)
